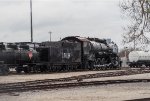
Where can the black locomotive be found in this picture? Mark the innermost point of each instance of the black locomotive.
(18, 55)
(78, 53)
(70, 53)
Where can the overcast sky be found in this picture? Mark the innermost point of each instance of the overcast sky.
(93, 18)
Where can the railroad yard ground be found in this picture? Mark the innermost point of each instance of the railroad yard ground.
(110, 92)
(30, 77)
(117, 92)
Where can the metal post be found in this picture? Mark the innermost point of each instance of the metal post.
(50, 36)
(134, 43)
(31, 20)
(126, 57)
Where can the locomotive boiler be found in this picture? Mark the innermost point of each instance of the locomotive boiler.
(105, 54)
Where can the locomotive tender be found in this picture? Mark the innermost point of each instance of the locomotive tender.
(18, 55)
(70, 53)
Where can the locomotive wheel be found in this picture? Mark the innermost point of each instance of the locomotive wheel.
(67, 68)
(26, 69)
(19, 69)
(63, 67)
(45, 68)
(99, 68)
(113, 67)
(58, 68)
(71, 68)
(86, 66)
(35, 69)
(96, 63)
(103, 62)
(54, 69)
(147, 65)
(42, 69)
(109, 68)
(119, 68)
(75, 67)
(91, 65)
(50, 68)
(103, 68)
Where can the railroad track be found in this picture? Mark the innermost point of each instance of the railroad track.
(70, 81)
(66, 85)
(13, 72)
(79, 70)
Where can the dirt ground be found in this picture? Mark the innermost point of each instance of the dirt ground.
(31, 77)
(117, 92)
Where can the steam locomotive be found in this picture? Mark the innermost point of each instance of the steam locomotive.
(77, 52)
(70, 53)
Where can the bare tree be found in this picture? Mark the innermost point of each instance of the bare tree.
(139, 13)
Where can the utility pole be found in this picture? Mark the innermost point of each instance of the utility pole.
(31, 20)
(50, 35)
(134, 39)
(134, 43)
